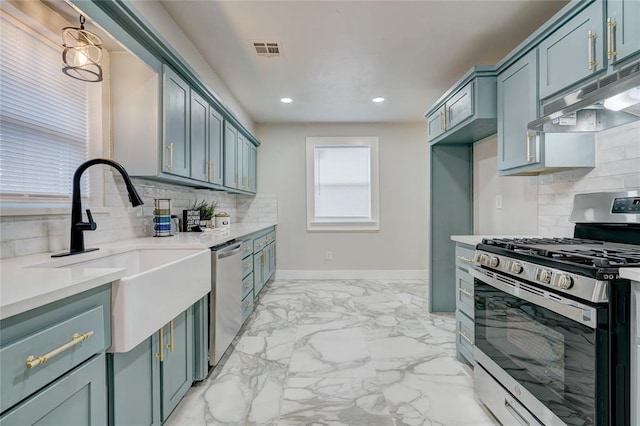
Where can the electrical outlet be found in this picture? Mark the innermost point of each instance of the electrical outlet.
(498, 201)
(329, 255)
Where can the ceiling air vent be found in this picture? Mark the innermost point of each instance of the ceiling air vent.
(267, 49)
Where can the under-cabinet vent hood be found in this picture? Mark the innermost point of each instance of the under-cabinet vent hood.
(610, 101)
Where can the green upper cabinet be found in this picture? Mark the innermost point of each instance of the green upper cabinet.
(176, 152)
(253, 169)
(574, 52)
(436, 124)
(215, 128)
(467, 112)
(199, 136)
(243, 163)
(623, 29)
(230, 156)
(517, 106)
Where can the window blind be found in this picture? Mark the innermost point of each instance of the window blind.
(342, 183)
(43, 116)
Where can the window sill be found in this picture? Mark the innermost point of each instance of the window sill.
(364, 226)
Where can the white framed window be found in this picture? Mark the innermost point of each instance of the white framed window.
(342, 184)
(44, 119)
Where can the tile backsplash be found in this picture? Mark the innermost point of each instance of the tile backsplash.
(617, 168)
(117, 220)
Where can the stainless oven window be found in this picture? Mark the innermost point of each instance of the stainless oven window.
(552, 356)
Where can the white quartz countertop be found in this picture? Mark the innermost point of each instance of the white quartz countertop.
(630, 273)
(473, 240)
(25, 286)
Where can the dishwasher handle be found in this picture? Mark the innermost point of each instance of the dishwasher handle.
(227, 250)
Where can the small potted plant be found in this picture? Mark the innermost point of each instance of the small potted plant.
(207, 211)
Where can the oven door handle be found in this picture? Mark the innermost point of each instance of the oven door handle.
(575, 311)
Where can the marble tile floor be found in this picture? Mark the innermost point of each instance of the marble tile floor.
(338, 352)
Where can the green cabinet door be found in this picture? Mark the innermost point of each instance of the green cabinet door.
(258, 272)
(253, 168)
(199, 134)
(230, 156)
(215, 129)
(242, 162)
(517, 106)
(436, 123)
(134, 388)
(77, 398)
(176, 153)
(573, 52)
(460, 106)
(623, 29)
(176, 371)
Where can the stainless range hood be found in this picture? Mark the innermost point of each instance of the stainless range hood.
(591, 108)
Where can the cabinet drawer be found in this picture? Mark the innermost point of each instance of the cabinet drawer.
(18, 381)
(271, 237)
(460, 106)
(464, 335)
(464, 297)
(247, 306)
(78, 398)
(247, 285)
(247, 266)
(246, 248)
(464, 256)
(259, 243)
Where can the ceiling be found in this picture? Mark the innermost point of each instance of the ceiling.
(338, 55)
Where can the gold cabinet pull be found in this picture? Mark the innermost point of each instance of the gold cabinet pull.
(160, 355)
(464, 259)
(611, 24)
(465, 337)
(170, 165)
(530, 157)
(590, 50)
(170, 345)
(33, 361)
(465, 292)
(212, 169)
(443, 123)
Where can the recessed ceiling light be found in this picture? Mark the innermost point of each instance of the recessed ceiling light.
(378, 100)
(286, 100)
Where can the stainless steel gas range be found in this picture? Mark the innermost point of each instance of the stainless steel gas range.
(552, 318)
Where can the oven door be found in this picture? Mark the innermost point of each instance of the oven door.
(552, 349)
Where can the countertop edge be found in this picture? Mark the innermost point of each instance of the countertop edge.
(24, 287)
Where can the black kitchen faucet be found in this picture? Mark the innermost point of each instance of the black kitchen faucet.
(77, 225)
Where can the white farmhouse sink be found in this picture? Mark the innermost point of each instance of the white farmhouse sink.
(159, 284)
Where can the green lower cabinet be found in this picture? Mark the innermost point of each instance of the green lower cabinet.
(77, 398)
(134, 391)
(176, 370)
(148, 382)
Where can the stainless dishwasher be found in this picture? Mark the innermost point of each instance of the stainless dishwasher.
(226, 298)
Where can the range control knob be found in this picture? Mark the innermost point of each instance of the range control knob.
(484, 259)
(515, 268)
(544, 276)
(494, 261)
(564, 282)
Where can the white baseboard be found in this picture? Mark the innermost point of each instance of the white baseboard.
(349, 274)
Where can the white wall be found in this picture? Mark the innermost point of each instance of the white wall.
(519, 211)
(541, 204)
(157, 16)
(401, 243)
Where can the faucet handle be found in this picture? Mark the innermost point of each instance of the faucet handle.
(87, 226)
(91, 222)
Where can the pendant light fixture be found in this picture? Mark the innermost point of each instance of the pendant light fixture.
(81, 54)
